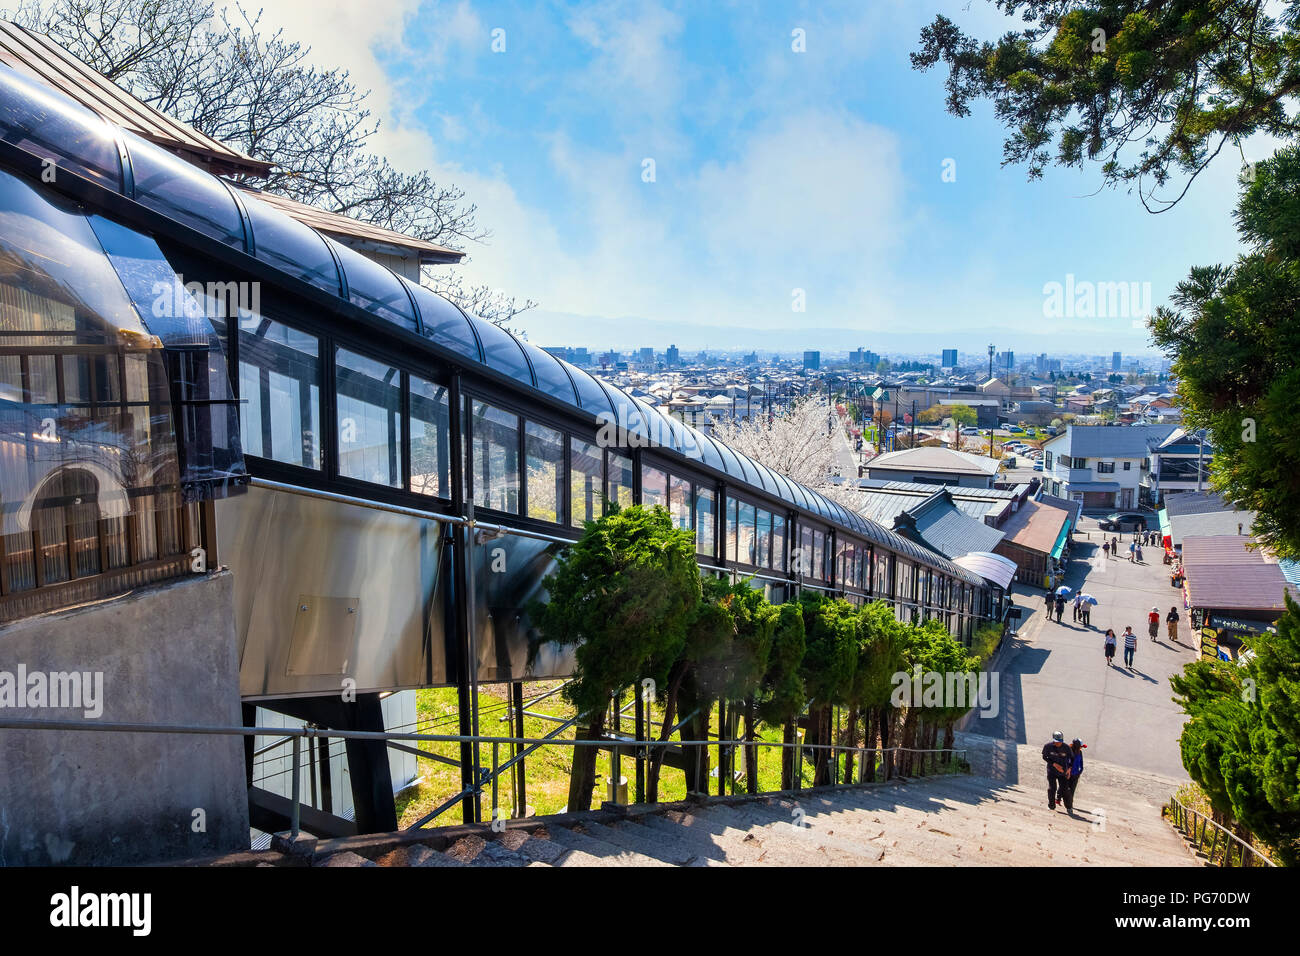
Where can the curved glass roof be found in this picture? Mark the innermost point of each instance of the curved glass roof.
(551, 376)
(373, 287)
(48, 124)
(444, 323)
(501, 351)
(169, 185)
(708, 448)
(592, 396)
(628, 415)
(656, 429)
(288, 245)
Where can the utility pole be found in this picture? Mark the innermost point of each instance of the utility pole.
(913, 423)
(992, 349)
(1200, 459)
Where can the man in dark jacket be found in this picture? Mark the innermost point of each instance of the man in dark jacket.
(1059, 758)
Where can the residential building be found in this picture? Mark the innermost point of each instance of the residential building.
(672, 358)
(1100, 466)
(1178, 465)
(935, 466)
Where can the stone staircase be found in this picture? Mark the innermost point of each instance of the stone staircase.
(958, 820)
(990, 818)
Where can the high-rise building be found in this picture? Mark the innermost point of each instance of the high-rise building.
(1116, 361)
(646, 356)
(949, 358)
(672, 357)
(812, 360)
(581, 357)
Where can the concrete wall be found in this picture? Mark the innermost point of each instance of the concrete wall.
(168, 655)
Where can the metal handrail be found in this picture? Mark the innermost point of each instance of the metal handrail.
(297, 734)
(1181, 814)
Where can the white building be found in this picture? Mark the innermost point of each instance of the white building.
(1100, 466)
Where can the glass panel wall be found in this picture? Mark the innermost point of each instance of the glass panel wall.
(732, 530)
(585, 482)
(369, 406)
(544, 458)
(430, 439)
(495, 477)
(778, 542)
(279, 392)
(654, 487)
(679, 501)
(745, 533)
(620, 480)
(705, 505)
(763, 538)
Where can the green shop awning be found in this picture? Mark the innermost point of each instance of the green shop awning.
(1060, 540)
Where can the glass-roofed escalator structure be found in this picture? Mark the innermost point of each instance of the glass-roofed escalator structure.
(184, 365)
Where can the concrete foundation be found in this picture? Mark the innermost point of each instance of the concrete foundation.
(167, 654)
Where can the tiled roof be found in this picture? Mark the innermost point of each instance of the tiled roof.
(944, 528)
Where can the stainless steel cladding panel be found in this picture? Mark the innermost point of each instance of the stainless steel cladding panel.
(326, 591)
(508, 574)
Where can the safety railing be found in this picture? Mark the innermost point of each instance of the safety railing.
(1220, 846)
(928, 761)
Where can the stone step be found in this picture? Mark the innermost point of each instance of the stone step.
(717, 841)
(637, 839)
(607, 854)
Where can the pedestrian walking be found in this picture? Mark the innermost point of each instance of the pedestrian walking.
(1105, 549)
(1130, 647)
(1051, 601)
(1171, 624)
(1153, 623)
(1086, 614)
(1111, 641)
(1060, 607)
(1139, 554)
(1114, 546)
(1078, 608)
(1077, 747)
(1059, 758)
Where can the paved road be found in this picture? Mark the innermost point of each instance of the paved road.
(1055, 678)
(846, 458)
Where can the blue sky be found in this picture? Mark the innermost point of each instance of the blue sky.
(774, 171)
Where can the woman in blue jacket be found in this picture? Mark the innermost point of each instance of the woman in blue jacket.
(1077, 746)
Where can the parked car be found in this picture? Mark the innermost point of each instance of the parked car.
(1123, 521)
(970, 431)
(1038, 466)
(1015, 429)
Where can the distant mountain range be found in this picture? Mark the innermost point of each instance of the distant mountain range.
(546, 328)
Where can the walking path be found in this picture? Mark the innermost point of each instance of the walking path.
(1054, 677)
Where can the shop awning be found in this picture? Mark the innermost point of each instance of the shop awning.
(1060, 541)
